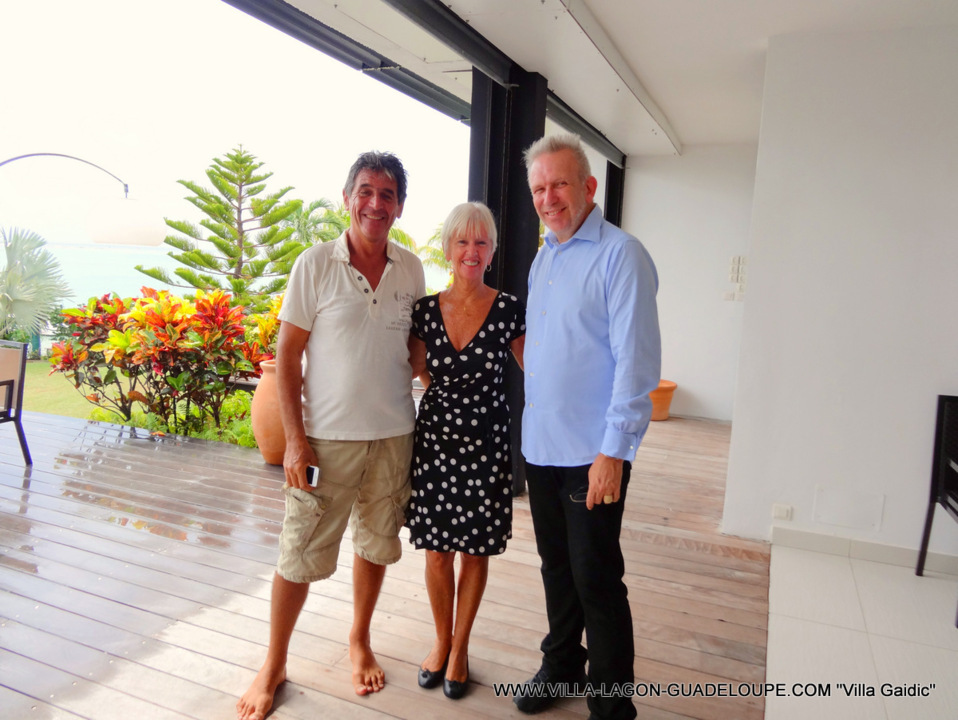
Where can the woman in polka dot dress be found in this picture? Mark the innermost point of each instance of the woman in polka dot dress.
(461, 471)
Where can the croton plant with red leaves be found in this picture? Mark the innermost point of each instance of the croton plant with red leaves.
(178, 359)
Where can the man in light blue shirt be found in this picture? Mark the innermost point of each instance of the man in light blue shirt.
(592, 355)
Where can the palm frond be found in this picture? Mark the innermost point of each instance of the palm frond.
(31, 284)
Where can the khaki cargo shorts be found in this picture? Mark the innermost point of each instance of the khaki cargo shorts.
(364, 483)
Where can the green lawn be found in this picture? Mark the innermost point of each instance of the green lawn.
(52, 394)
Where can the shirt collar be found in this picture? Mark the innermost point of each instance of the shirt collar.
(589, 230)
(341, 249)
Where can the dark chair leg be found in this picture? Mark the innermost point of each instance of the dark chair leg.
(23, 442)
(925, 537)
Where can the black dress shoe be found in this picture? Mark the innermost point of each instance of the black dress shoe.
(432, 678)
(543, 689)
(453, 689)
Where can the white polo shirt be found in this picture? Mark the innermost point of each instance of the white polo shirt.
(357, 380)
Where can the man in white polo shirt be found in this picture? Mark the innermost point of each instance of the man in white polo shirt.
(350, 412)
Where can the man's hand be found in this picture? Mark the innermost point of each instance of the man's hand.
(605, 480)
(298, 455)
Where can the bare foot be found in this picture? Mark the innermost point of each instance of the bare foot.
(368, 677)
(258, 699)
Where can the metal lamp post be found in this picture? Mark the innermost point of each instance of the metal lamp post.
(126, 188)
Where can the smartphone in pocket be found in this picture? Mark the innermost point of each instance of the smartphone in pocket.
(313, 474)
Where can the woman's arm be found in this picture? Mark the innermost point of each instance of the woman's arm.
(517, 346)
(417, 356)
(417, 359)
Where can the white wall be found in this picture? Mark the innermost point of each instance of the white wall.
(851, 319)
(692, 213)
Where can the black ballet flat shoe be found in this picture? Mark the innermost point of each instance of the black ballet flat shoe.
(429, 679)
(453, 689)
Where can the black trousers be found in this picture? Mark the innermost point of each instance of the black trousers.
(582, 570)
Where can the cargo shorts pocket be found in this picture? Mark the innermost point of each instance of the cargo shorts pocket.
(304, 513)
(399, 514)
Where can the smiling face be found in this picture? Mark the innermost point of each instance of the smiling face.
(562, 198)
(373, 206)
(469, 254)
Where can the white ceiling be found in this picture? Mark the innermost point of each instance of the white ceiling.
(652, 75)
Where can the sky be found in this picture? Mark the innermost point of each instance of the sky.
(152, 92)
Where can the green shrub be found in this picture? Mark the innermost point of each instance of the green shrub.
(164, 364)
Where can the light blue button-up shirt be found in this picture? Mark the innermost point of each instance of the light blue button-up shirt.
(592, 350)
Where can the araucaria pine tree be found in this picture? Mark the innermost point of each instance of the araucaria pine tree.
(241, 246)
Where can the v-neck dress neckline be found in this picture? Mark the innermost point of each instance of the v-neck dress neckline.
(445, 326)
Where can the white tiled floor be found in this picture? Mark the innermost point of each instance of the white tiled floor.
(855, 628)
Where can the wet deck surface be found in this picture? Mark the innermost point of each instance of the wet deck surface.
(135, 576)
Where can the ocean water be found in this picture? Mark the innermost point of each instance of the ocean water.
(92, 269)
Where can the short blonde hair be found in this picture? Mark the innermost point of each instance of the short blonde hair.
(471, 218)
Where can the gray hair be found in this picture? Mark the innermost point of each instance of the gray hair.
(378, 162)
(471, 218)
(555, 143)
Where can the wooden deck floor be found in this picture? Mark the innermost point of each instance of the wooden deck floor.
(135, 577)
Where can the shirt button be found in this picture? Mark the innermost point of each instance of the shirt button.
(532, 405)
(366, 290)
(374, 302)
(550, 282)
(543, 312)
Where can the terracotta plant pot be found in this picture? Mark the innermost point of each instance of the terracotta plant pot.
(661, 398)
(264, 413)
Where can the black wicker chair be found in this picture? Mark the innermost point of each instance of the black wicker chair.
(13, 366)
(944, 471)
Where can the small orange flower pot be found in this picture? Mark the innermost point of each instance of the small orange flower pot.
(661, 398)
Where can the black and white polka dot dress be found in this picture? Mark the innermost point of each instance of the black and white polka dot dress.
(461, 471)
